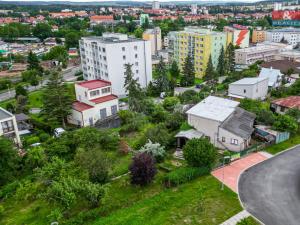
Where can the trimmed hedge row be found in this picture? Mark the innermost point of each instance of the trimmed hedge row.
(183, 175)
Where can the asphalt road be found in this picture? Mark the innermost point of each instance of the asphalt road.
(270, 190)
(68, 74)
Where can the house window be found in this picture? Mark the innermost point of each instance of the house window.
(94, 93)
(114, 110)
(136, 56)
(135, 47)
(281, 109)
(234, 141)
(105, 90)
(223, 139)
(123, 49)
(244, 90)
(124, 57)
(7, 126)
(103, 49)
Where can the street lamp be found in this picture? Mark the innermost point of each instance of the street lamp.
(225, 157)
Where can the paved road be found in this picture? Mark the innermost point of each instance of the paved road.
(69, 75)
(271, 190)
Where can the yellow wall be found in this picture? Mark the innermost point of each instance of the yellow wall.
(258, 36)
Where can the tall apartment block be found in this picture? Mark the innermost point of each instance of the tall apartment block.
(154, 36)
(200, 44)
(105, 58)
(288, 35)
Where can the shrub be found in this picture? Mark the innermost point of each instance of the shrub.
(183, 175)
(31, 140)
(170, 103)
(44, 137)
(154, 149)
(200, 153)
(142, 169)
(285, 123)
(9, 189)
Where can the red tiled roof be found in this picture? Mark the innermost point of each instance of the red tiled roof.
(289, 102)
(93, 84)
(104, 99)
(80, 106)
(102, 18)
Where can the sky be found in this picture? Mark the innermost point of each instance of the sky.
(132, 0)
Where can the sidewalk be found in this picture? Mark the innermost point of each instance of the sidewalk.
(236, 218)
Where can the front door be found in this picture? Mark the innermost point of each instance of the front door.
(103, 113)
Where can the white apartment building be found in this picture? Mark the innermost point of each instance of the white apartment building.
(105, 58)
(194, 9)
(94, 102)
(9, 127)
(155, 5)
(262, 51)
(290, 35)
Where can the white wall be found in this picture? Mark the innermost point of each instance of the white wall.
(252, 91)
(242, 144)
(17, 139)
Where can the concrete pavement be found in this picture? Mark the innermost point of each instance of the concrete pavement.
(236, 218)
(68, 74)
(270, 190)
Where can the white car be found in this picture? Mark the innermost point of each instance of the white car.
(58, 131)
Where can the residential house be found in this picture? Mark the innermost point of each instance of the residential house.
(282, 105)
(274, 76)
(9, 127)
(221, 120)
(253, 88)
(94, 102)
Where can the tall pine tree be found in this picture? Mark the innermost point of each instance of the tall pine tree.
(33, 62)
(162, 81)
(229, 59)
(56, 100)
(133, 89)
(210, 71)
(221, 63)
(174, 73)
(188, 77)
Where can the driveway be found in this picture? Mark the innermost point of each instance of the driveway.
(234, 169)
(270, 191)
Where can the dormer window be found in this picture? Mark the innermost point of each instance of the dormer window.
(105, 90)
(94, 93)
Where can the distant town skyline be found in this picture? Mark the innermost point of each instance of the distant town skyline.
(129, 1)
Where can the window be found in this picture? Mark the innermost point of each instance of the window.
(137, 71)
(136, 56)
(234, 141)
(94, 93)
(7, 126)
(105, 90)
(85, 94)
(103, 114)
(244, 90)
(123, 49)
(223, 139)
(136, 63)
(103, 49)
(135, 47)
(124, 57)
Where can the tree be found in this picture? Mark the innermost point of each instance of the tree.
(221, 63)
(20, 90)
(58, 53)
(133, 88)
(162, 81)
(142, 169)
(30, 76)
(294, 112)
(42, 31)
(9, 161)
(170, 103)
(210, 71)
(154, 149)
(229, 59)
(188, 77)
(98, 30)
(56, 99)
(200, 153)
(33, 62)
(72, 40)
(35, 157)
(285, 123)
(138, 33)
(95, 162)
(175, 73)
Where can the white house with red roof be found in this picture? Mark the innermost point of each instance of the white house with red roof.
(94, 102)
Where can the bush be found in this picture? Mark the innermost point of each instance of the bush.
(183, 175)
(155, 150)
(9, 189)
(44, 137)
(170, 103)
(31, 140)
(142, 169)
(200, 153)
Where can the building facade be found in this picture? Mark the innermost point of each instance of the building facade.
(239, 35)
(287, 35)
(200, 44)
(9, 127)
(263, 51)
(94, 102)
(105, 58)
(258, 36)
(154, 36)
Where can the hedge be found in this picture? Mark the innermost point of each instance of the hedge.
(183, 175)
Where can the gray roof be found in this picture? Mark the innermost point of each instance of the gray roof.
(249, 81)
(4, 114)
(190, 134)
(21, 117)
(240, 123)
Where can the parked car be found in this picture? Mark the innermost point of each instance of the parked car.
(58, 131)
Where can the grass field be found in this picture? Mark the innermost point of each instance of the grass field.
(248, 221)
(294, 140)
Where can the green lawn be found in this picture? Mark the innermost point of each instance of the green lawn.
(294, 140)
(181, 205)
